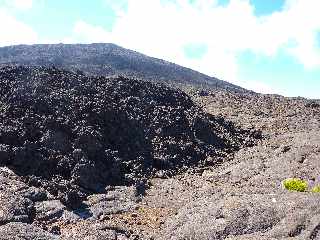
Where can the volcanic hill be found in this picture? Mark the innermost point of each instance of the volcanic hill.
(97, 142)
(106, 59)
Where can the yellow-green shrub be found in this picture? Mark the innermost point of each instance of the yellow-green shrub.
(316, 189)
(295, 184)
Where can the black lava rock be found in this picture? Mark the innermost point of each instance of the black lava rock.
(74, 134)
(4, 154)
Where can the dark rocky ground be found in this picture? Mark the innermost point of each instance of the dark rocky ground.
(80, 154)
(227, 185)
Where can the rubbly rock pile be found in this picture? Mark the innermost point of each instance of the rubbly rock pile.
(74, 135)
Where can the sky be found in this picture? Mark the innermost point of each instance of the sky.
(269, 46)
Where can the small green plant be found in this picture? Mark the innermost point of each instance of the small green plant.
(295, 184)
(316, 189)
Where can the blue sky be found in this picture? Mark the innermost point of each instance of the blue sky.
(270, 46)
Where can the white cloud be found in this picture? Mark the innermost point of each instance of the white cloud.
(118, 6)
(299, 23)
(20, 4)
(89, 33)
(307, 51)
(161, 28)
(260, 87)
(14, 31)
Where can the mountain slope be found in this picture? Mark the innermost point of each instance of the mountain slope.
(108, 59)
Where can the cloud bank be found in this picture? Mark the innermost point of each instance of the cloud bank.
(162, 28)
(166, 28)
(14, 31)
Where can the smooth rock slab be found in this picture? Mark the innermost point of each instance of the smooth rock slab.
(283, 216)
(23, 231)
(49, 210)
(88, 231)
(53, 211)
(15, 209)
(119, 200)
